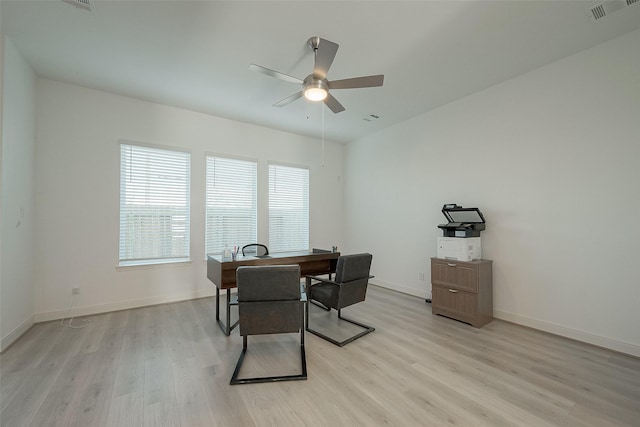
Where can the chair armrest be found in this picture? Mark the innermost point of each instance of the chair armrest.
(320, 279)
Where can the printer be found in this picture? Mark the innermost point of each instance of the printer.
(462, 222)
(461, 234)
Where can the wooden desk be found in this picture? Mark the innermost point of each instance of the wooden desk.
(223, 273)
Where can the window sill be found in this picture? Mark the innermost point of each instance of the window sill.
(153, 265)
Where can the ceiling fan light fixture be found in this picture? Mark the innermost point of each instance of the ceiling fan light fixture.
(315, 89)
(315, 93)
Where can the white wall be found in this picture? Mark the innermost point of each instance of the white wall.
(552, 160)
(17, 187)
(77, 182)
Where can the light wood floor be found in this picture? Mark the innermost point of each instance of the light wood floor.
(170, 365)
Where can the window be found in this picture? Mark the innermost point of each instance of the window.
(154, 205)
(288, 208)
(231, 203)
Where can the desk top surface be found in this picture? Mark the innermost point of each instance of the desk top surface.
(241, 259)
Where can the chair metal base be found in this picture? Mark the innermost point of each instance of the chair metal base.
(235, 380)
(367, 329)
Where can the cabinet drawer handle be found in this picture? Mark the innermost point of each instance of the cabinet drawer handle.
(453, 291)
(452, 265)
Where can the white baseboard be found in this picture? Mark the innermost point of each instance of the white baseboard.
(123, 305)
(396, 287)
(611, 344)
(16, 333)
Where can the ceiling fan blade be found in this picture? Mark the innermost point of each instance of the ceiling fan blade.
(357, 82)
(273, 73)
(289, 99)
(325, 52)
(333, 104)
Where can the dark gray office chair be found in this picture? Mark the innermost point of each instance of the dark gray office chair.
(270, 302)
(255, 249)
(348, 288)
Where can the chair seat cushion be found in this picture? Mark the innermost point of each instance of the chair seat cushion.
(326, 294)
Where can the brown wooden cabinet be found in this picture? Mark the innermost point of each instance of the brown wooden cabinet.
(462, 290)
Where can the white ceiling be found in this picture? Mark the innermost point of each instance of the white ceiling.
(195, 54)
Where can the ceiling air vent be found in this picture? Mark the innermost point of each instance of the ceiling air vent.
(605, 8)
(81, 4)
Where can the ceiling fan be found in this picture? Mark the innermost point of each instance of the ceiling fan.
(316, 86)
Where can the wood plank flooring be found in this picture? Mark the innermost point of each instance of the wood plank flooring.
(170, 365)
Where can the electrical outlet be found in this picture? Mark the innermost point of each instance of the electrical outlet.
(421, 276)
(75, 290)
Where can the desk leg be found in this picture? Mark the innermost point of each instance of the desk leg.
(306, 315)
(217, 304)
(303, 322)
(226, 328)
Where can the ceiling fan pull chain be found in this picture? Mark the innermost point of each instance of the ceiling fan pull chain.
(322, 108)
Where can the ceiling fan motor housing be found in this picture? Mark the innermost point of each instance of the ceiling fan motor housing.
(313, 82)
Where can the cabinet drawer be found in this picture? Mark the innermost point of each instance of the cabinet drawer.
(455, 274)
(454, 303)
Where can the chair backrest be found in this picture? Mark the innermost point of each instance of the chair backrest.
(353, 267)
(352, 272)
(269, 299)
(255, 249)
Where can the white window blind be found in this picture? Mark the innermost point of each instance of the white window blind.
(288, 208)
(231, 203)
(154, 205)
